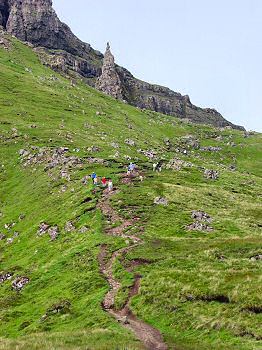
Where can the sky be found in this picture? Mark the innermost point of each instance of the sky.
(208, 49)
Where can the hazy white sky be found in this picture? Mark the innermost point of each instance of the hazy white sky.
(208, 49)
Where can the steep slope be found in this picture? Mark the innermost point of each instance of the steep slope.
(35, 21)
(199, 273)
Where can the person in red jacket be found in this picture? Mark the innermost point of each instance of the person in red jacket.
(103, 181)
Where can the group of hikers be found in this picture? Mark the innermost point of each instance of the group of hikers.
(131, 171)
(104, 182)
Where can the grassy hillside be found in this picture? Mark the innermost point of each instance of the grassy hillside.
(201, 289)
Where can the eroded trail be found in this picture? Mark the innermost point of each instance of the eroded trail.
(149, 336)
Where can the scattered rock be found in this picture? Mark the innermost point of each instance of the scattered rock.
(44, 318)
(190, 141)
(201, 216)
(2, 236)
(150, 154)
(83, 229)
(88, 126)
(69, 227)
(85, 180)
(167, 142)
(232, 167)
(211, 174)
(63, 189)
(19, 283)
(130, 142)
(53, 232)
(123, 320)
(115, 145)
(61, 307)
(182, 151)
(93, 149)
(5, 277)
(198, 226)
(160, 201)
(177, 164)
(52, 158)
(211, 149)
(43, 228)
(23, 153)
(256, 257)
(64, 174)
(92, 160)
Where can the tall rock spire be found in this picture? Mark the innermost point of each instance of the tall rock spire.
(109, 81)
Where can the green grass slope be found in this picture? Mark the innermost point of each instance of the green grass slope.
(202, 290)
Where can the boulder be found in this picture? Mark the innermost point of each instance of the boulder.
(2, 236)
(43, 228)
(5, 277)
(19, 283)
(211, 149)
(211, 174)
(198, 226)
(201, 216)
(130, 142)
(160, 201)
(256, 257)
(69, 227)
(53, 232)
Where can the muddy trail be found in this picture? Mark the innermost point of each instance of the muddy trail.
(149, 336)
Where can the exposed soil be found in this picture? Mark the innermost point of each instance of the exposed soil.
(149, 336)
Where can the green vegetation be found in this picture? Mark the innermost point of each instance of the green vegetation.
(200, 289)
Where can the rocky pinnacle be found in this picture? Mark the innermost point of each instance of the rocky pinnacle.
(109, 82)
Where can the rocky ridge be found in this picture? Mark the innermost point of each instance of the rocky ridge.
(36, 22)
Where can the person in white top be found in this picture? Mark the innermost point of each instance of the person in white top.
(154, 166)
(110, 185)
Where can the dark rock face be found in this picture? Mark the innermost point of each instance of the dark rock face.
(4, 12)
(36, 22)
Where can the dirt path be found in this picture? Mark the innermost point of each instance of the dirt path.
(149, 336)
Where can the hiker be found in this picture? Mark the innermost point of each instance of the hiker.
(93, 176)
(131, 167)
(154, 166)
(159, 167)
(103, 182)
(95, 181)
(110, 185)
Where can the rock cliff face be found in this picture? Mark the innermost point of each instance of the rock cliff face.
(4, 11)
(36, 22)
(109, 81)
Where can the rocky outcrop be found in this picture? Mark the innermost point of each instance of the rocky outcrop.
(109, 82)
(4, 12)
(163, 100)
(36, 22)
